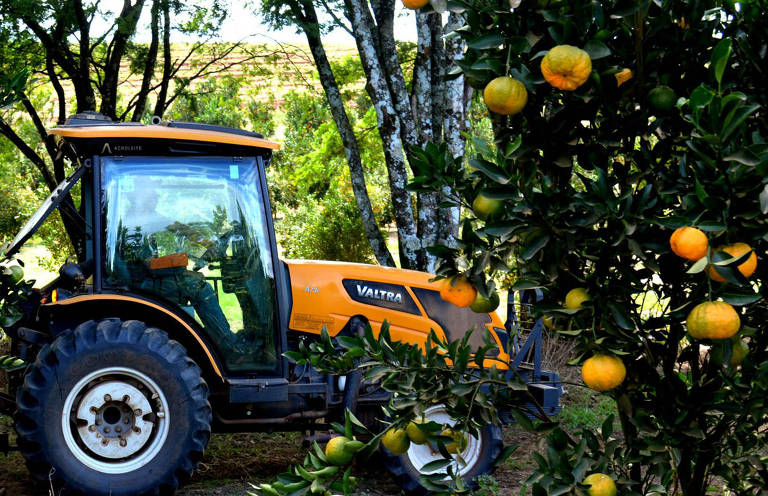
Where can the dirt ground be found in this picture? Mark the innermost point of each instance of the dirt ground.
(234, 461)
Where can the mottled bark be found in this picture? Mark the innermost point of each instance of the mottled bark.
(389, 129)
(455, 121)
(428, 219)
(310, 26)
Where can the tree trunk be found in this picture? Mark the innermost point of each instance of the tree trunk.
(310, 27)
(162, 95)
(455, 108)
(149, 69)
(389, 129)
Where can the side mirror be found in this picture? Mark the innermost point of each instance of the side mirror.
(71, 277)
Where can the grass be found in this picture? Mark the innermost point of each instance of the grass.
(586, 409)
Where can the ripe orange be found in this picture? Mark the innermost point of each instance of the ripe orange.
(747, 267)
(415, 4)
(566, 67)
(415, 434)
(575, 298)
(600, 485)
(689, 243)
(505, 95)
(459, 442)
(461, 292)
(713, 320)
(603, 372)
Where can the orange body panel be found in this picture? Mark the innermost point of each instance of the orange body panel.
(321, 299)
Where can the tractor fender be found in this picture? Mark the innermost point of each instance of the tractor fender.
(68, 313)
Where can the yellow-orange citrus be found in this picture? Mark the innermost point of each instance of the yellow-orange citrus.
(415, 434)
(505, 95)
(689, 243)
(459, 442)
(566, 67)
(575, 298)
(747, 267)
(335, 452)
(415, 4)
(485, 305)
(458, 291)
(713, 320)
(396, 441)
(603, 372)
(485, 207)
(600, 485)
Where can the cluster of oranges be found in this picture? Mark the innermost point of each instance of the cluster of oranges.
(714, 319)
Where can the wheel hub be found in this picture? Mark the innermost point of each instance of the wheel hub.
(114, 419)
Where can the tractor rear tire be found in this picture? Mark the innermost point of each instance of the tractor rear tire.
(480, 455)
(113, 408)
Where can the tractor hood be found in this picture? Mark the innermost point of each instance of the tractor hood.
(330, 294)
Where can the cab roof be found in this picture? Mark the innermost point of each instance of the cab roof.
(94, 126)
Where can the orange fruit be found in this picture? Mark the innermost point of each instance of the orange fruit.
(415, 4)
(415, 434)
(603, 372)
(739, 353)
(459, 291)
(689, 243)
(458, 444)
(566, 67)
(600, 485)
(575, 298)
(713, 320)
(485, 207)
(505, 95)
(335, 452)
(396, 441)
(747, 267)
(485, 305)
(662, 98)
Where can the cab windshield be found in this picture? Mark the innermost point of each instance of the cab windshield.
(192, 231)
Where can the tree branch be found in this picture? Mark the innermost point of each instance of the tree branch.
(28, 152)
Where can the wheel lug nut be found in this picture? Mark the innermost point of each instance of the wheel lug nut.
(136, 429)
(126, 398)
(107, 430)
(126, 421)
(105, 441)
(123, 442)
(94, 409)
(98, 422)
(118, 429)
(91, 428)
(137, 412)
(107, 398)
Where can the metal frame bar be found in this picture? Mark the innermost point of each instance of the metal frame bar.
(534, 341)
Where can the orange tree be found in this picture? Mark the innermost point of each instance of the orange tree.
(662, 127)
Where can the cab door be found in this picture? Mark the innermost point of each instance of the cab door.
(195, 233)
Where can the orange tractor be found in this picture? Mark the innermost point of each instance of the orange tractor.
(174, 320)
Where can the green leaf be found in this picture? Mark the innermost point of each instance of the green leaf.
(535, 246)
(596, 49)
(700, 97)
(719, 60)
(525, 284)
(491, 40)
(621, 317)
(764, 200)
(489, 169)
(436, 465)
(699, 266)
(739, 298)
(744, 156)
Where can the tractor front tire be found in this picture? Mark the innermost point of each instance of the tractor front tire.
(113, 408)
(480, 454)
